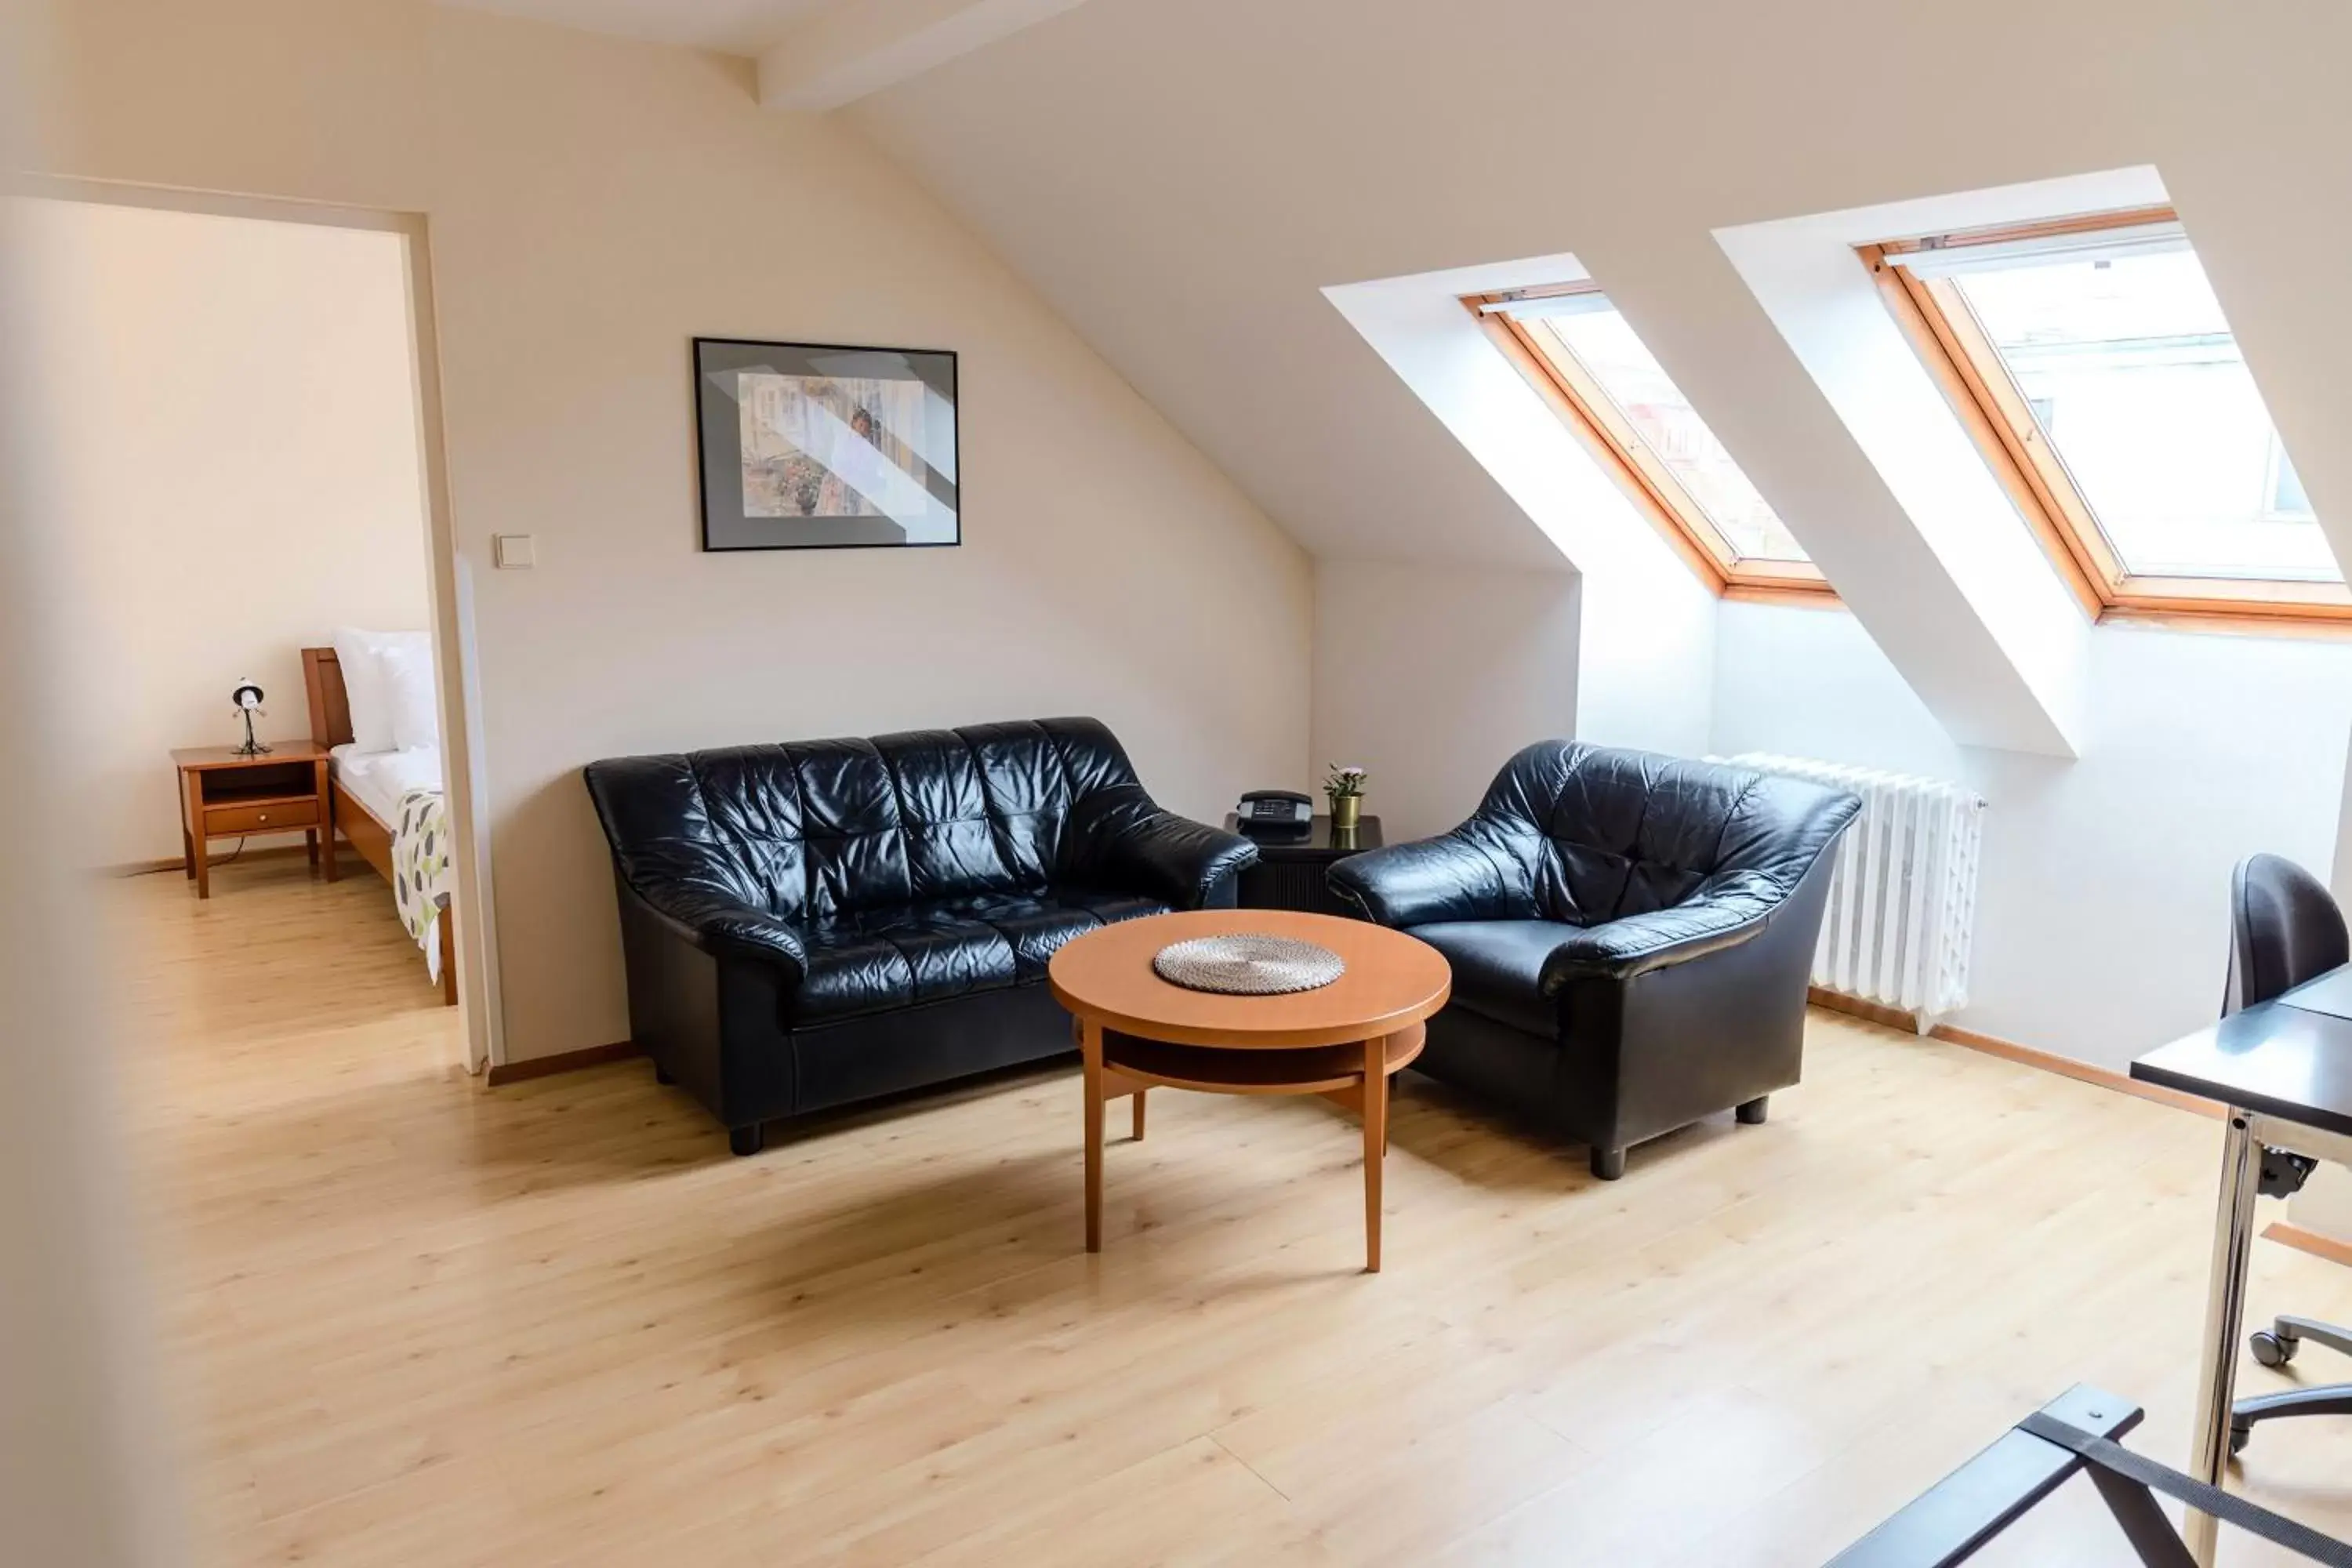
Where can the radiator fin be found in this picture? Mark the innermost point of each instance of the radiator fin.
(1902, 900)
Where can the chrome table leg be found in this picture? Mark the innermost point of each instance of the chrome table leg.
(2225, 1312)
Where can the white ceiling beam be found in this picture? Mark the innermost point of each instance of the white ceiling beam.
(843, 54)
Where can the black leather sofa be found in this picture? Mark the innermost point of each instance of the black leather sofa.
(813, 924)
(1630, 936)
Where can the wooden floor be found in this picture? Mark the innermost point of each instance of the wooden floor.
(412, 1322)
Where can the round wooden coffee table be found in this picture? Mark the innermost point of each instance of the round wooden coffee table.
(1137, 1031)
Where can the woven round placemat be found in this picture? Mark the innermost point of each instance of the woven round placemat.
(1248, 965)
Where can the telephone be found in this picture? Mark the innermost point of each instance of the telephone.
(1276, 811)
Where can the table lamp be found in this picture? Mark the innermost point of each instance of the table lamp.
(246, 700)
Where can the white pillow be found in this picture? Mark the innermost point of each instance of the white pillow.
(408, 672)
(364, 689)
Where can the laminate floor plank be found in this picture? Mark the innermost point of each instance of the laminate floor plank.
(410, 1321)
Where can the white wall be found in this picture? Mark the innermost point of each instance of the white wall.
(2102, 927)
(1430, 675)
(593, 204)
(1809, 683)
(231, 414)
(1619, 633)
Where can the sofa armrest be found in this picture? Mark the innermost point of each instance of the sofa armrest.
(1448, 878)
(1128, 843)
(726, 928)
(1621, 949)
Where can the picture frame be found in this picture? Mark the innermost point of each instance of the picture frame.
(825, 446)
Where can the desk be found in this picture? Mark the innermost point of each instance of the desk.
(2283, 1068)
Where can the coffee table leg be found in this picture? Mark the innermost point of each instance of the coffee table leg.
(1376, 1145)
(1138, 1115)
(1090, 1044)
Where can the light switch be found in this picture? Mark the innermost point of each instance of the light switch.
(512, 551)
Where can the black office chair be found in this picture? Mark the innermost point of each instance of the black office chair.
(2285, 929)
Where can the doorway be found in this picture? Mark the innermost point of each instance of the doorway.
(248, 503)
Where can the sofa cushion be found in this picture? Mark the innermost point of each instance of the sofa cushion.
(857, 844)
(951, 843)
(1036, 927)
(817, 830)
(1616, 833)
(870, 961)
(1497, 966)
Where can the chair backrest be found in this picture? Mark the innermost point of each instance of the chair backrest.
(1590, 834)
(808, 829)
(2285, 929)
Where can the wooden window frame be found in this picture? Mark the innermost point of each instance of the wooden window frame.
(1574, 395)
(1976, 381)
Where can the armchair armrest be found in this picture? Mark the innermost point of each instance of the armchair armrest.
(1128, 841)
(726, 928)
(1621, 949)
(1448, 878)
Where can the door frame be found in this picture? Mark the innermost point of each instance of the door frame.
(456, 655)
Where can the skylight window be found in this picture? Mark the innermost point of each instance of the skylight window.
(1580, 350)
(2094, 364)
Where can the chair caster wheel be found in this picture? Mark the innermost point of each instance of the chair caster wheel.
(2269, 1349)
(2239, 1436)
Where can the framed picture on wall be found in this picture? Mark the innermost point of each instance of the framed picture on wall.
(819, 446)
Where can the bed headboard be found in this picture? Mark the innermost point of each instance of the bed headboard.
(330, 705)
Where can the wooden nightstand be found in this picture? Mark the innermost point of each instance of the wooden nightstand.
(286, 789)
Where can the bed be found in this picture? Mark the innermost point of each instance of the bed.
(368, 787)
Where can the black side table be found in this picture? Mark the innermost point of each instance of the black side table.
(1289, 871)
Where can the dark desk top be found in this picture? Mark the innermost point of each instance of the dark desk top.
(1317, 845)
(2289, 1056)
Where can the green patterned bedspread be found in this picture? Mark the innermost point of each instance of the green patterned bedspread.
(423, 875)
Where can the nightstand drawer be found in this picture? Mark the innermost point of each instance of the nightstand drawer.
(277, 816)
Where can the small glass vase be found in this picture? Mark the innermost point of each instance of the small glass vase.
(1344, 810)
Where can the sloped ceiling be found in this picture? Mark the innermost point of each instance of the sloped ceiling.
(1182, 177)
(731, 26)
(813, 55)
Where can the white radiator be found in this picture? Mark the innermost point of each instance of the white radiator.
(1903, 901)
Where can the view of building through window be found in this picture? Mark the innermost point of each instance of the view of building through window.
(2102, 384)
(2140, 391)
(1601, 340)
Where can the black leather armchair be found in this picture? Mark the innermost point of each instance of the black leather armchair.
(813, 924)
(1631, 935)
